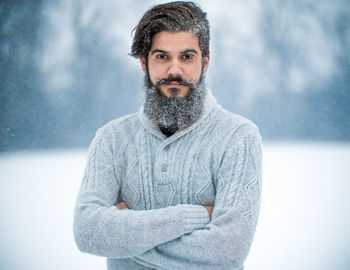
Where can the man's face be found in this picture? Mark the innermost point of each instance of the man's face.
(174, 59)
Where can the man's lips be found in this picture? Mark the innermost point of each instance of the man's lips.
(174, 83)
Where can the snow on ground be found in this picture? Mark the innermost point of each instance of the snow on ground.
(304, 222)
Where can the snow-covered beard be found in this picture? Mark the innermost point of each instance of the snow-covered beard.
(173, 113)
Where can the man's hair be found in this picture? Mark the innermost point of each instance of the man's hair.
(173, 17)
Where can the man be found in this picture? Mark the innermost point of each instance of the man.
(176, 185)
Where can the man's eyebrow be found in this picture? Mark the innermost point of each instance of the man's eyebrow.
(159, 51)
(182, 52)
(190, 50)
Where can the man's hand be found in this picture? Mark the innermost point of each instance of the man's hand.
(209, 209)
(121, 205)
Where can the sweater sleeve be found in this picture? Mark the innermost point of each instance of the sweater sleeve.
(102, 229)
(225, 242)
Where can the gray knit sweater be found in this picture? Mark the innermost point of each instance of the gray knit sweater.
(165, 181)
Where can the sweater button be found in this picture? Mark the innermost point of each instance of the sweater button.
(164, 167)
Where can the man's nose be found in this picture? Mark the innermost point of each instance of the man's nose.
(175, 68)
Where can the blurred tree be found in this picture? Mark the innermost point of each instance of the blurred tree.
(23, 107)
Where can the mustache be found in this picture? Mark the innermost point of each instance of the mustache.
(178, 79)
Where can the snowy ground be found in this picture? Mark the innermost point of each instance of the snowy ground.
(304, 222)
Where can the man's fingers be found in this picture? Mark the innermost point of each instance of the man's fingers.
(209, 209)
(121, 205)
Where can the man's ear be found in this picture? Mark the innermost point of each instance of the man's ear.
(143, 63)
(206, 62)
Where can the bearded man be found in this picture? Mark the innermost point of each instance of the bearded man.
(176, 185)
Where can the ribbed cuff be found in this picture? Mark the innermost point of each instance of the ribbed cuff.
(195, 217)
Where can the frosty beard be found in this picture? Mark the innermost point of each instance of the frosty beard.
(173, 113)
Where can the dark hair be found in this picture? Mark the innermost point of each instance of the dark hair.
(173, 17)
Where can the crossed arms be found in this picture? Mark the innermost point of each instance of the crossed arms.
(176, 237)
(122, 205)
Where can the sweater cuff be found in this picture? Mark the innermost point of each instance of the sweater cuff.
(195, 217)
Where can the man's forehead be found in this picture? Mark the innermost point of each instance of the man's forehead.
(175, 41)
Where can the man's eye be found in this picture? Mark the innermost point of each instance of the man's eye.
(187, 56)
(161, 56)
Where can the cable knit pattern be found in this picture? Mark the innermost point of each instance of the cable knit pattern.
(165, 181)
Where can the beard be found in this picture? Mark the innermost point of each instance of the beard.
(174, 113)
